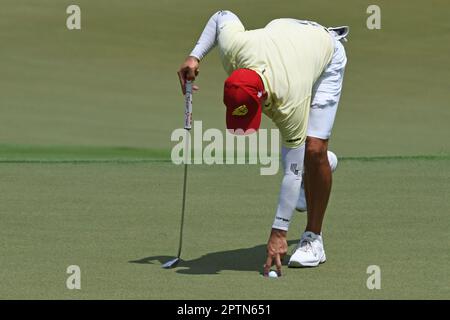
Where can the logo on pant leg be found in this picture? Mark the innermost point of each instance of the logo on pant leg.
(294, 168)
(282, 219)
(293, 140)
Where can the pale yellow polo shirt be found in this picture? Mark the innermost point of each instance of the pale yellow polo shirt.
(289, 57)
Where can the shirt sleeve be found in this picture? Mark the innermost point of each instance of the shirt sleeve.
(209, 37)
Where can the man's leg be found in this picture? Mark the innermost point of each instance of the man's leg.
(317, 175)
(310, 250)
(301, 201)
(317, 182)
(317, 171)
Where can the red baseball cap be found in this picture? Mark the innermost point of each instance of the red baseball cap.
(243, 95)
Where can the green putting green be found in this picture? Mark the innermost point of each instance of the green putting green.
(119, 222)
(85, 176)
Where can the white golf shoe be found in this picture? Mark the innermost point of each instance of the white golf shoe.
(301, 202)
(309, 251)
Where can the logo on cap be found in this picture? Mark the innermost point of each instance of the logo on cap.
(240, 111)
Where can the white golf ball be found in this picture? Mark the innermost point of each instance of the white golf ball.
(273, 274)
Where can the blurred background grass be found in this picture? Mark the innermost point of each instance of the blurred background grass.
(114, 82)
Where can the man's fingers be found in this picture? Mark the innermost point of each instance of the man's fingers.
(190, 74)
(187, 74)
(182, 76)
(182, 79)
(268, 265)
(278, 264)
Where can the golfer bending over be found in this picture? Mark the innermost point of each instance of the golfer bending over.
(292, 71)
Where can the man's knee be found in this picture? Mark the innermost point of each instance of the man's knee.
(316, 151)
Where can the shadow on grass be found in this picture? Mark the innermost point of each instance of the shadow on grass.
(246, 259)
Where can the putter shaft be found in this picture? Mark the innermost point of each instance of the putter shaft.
(183, 206)
(187, 126)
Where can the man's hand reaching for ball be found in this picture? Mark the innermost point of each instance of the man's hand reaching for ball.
(276, 250)
(188, 72)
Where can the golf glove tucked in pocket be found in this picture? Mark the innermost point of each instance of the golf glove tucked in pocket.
(340, 33)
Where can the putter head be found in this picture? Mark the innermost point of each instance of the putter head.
(171, 263)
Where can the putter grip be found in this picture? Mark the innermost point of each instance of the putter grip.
(188, 106)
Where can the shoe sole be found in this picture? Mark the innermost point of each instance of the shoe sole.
(296, 264)
(301, 209)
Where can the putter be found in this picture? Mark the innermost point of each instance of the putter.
(187, 125)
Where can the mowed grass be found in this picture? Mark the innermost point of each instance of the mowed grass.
(114, 82)
(119, 222)
(85, 124)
